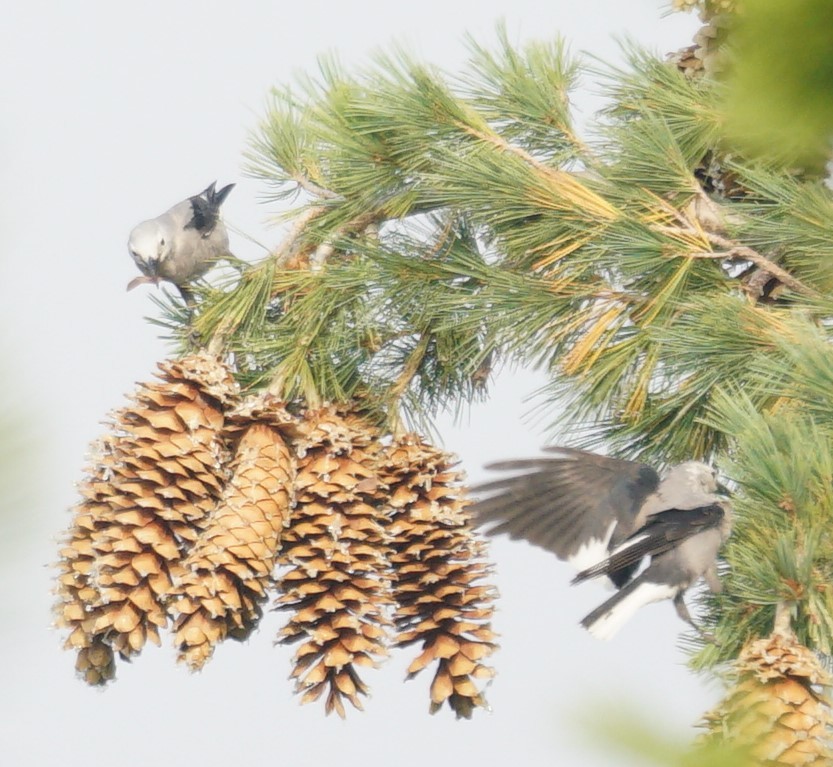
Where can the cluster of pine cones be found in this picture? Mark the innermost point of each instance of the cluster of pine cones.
(199, 506)
(705, 57)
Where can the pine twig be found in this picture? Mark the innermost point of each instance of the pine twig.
(745, 253)
(325, 249)
(217, 342)
(732, 249)
(284, 251)
(314, 189)
(783, 622)
(411, 366)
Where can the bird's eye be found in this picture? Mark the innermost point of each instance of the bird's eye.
(162, 241)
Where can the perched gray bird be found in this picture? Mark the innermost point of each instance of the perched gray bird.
(183, 243)
(605, 516)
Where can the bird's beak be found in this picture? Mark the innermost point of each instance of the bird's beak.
(723, 490)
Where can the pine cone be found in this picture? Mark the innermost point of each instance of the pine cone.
(156, 477)
(230, 568)
(169, 526)
(76, 588)
(777, 708)
(706, 56)
(437, 562)
(337, 589)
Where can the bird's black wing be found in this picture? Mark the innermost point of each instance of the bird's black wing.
(662, 532)
(205, 208)
(563, 502)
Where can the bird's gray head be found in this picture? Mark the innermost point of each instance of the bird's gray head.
(691, 477)
(150, 244)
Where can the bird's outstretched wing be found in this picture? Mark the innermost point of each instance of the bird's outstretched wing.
(663, 532)
(572, 503)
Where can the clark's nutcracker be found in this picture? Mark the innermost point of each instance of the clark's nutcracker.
(183, 243)
(605, 516)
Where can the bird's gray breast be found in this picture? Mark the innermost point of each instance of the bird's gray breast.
(194, 254)
(689, 560)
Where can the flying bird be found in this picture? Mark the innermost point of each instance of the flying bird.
(183, 243)
(606, 516)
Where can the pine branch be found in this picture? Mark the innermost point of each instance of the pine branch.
(744, 253)
(289, 245)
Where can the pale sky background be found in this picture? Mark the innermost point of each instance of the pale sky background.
(111, 113)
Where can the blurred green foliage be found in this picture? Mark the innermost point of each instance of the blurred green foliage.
(780, 87)
(636, 739)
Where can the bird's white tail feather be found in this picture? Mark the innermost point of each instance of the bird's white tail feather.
(621, 610)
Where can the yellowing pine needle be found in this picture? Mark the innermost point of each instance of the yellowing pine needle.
(566, 185)
(559, 285)
(582, 197)
(573, 361)
(571, 244)
(639, 394)
(649, 311)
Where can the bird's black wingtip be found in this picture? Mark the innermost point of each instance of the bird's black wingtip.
(216, 197)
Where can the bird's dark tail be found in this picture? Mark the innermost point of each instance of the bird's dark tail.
(606, 620)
